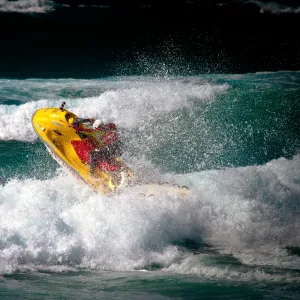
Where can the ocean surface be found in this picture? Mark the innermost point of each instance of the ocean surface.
(233, 139)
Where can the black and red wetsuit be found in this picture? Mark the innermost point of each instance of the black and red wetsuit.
(91, 150)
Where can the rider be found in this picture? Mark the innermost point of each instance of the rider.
(77, 124)
(104, 140)
(110, 137)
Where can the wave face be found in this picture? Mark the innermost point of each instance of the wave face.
(233, 139)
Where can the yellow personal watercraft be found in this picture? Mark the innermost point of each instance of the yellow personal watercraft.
(53, 128)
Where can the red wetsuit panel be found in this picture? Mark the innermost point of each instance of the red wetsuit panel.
(83, 149)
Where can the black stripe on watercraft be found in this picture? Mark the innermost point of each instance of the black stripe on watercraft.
(57, 132)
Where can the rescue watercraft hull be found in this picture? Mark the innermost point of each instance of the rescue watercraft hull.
(52, 127)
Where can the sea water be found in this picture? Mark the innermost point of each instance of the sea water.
(232, 139)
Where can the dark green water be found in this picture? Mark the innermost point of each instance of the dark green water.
(134, 285)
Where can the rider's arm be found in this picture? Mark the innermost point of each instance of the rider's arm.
(79, 121)
(111, 126)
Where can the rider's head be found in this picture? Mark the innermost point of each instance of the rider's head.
(97, 124)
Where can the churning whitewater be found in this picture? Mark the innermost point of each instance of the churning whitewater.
(214, 134)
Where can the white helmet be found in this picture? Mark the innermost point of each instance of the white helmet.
(97, 123)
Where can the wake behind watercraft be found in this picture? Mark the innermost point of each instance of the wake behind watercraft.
(72, 152)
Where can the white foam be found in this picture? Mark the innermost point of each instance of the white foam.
(15, 121)
(60, 221)
(258, 204)
(250, 213)
(129, 104)
(26, 6)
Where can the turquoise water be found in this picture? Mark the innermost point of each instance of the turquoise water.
(233, 139)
